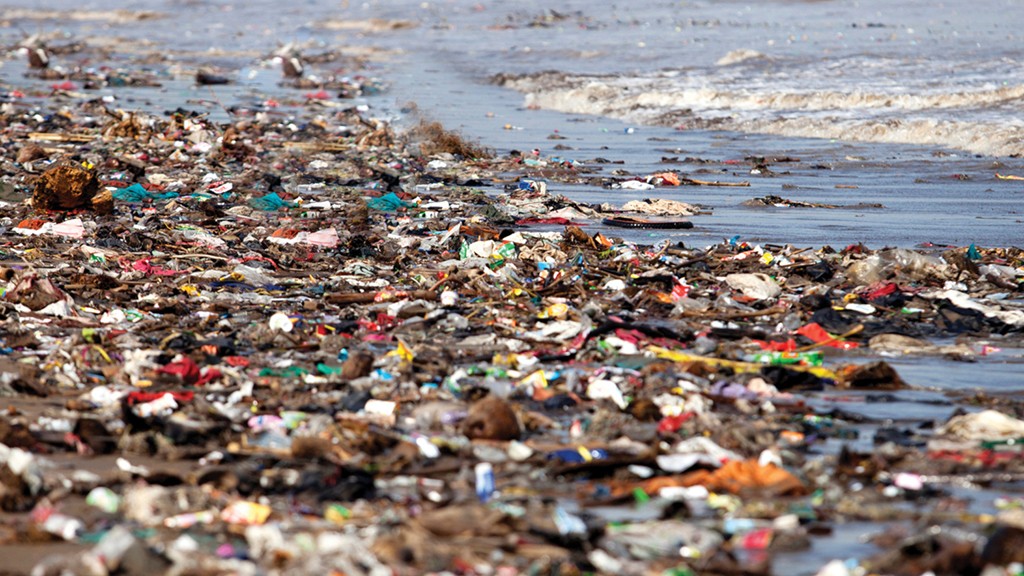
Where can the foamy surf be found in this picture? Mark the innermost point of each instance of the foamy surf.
(968, 119)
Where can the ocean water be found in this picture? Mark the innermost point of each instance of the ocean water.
(914, 106)
(944, 74)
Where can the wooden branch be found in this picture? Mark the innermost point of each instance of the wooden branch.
(694, 181)
(371, 297)
(51, 137)
(735, 314)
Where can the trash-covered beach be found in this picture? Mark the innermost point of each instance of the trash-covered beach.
(253, 326)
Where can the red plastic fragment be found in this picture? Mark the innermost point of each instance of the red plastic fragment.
(820, 336)
(186, 369)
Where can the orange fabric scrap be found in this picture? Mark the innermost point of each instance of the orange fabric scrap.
(746, 477)
(670, 178)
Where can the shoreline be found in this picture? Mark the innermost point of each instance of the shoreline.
(301, 341)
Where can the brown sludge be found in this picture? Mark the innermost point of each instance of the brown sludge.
(492, 418)
(66, 187)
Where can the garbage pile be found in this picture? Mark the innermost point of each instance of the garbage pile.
(297, 348)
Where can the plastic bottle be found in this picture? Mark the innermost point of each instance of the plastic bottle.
(104, 498)
(484, 481)
(189, 519)
(812, 358)
(63, 525)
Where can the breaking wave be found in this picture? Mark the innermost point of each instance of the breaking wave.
(972, 120)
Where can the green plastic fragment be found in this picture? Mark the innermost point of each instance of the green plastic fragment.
(640, 496)
(327, 370)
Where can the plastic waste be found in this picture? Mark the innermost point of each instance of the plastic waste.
(137, 194)
(270, 202)
(389, 202)
(245, 513)
(756, 286)
(895, 262)
(984, 425)
(666, 539)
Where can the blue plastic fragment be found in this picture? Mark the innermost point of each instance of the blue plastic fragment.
(388, 203)
(136, 193)
(270, 202)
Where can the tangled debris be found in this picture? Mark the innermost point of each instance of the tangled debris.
(254, 346)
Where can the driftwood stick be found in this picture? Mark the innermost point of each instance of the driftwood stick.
(370, 297)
